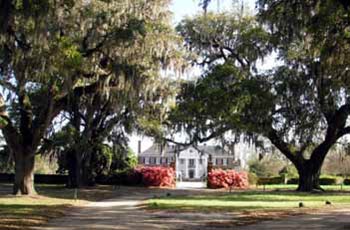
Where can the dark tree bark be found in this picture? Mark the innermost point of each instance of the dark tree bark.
(309, 170)
(24, 174)
(24, 140)
(309, 175)
(74, 169)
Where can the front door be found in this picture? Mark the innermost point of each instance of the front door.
(191, 173)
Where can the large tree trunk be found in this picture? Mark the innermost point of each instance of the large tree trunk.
(88, 176)
(80, 173)
(74, 169)
(309, 175)
(24, 174)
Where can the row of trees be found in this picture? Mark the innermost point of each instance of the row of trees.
(88, 68)
(75, 74)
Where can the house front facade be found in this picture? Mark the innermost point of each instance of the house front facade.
(191, 162)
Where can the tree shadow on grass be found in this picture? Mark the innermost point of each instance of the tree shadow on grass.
(23, 216)
(61, 192)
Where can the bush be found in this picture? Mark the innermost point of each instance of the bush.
(324, 180)
(330, 180)
(289, 171)
(218, 178)
(146, 176)
(157, 176)
(346, 181)
(293, 181)
(252, 178)
(129, 177)
(270, 180)
(269, 166)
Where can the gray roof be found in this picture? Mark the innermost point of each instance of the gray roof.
(169, 150)
(156, 150)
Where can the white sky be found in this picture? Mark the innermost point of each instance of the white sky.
(183, 8)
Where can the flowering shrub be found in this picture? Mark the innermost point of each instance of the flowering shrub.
(157, 176)
(218, 178)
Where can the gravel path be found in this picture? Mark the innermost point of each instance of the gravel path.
(124, 213)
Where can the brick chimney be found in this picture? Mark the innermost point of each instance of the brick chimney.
(139, 147)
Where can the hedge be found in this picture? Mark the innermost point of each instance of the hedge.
(38, 178)
(323, 181)
(346, 181)
(125, 177)
(270, 180)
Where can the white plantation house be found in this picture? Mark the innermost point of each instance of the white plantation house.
(192, 162)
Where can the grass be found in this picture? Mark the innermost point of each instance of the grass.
(240, 201)
(53, 201)
(339, 188)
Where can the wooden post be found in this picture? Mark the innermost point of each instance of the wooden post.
(75, 194)
(209, 168)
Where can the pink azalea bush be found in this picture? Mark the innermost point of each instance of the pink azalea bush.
(157, 176)
(219, 178)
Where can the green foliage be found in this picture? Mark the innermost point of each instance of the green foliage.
(98, 62)
(324, 180)
(124, 160)
(267, 167)
(71, 55)
(270, 180)
(330, 180)
(289, 171)
(6, 160)
(45, 165)
(3, 122)
(301, 104)
(252, 178)
(346, 182)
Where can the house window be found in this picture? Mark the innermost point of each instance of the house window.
(142, 160)
(146, 160)
(191, 162)
(219, 161)
(153, 160)
(164, 160)
(200, 161)
(182, 161)
(224, 161)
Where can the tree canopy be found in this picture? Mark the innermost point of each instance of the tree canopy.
(301, 105)
(51, 58)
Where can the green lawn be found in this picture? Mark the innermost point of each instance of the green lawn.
(249, 201)
(339, 188)
(53, 201)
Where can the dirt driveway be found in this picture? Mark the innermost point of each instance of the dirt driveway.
(124, 213)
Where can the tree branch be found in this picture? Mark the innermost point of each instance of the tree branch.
(277, 141)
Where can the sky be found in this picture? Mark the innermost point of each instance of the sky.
(182, 9)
